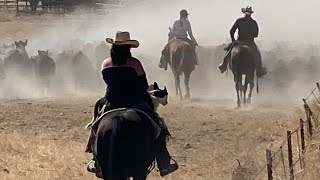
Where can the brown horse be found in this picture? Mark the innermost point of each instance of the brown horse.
(179, 58)
(242, 63)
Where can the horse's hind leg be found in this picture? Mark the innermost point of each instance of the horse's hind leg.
(245, 90)
(178, 88)
(238, 93)
(186, 82)
(251, 82)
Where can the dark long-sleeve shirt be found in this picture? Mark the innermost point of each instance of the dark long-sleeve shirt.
(247, 29)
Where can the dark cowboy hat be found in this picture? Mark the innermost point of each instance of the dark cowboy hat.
(247, 10)
(184, 12)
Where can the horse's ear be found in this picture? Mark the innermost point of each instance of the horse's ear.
(165, 88)
(39, 52)
(170, 29)
(16, 43)
(26, 42)
(47, 51)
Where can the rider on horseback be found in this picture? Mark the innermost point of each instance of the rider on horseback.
(247, 30)
(127, 87)
(181, 29)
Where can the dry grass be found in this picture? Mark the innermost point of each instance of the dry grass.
(45, 139)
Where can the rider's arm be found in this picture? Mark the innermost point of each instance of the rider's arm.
(256, 29)
(233, 30)
(189, 29)
(143, 84)
(174, 28)
(142, 78)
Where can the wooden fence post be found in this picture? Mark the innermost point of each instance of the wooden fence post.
(269, 164)
(308, 116)
(303, 146)
(290, 155)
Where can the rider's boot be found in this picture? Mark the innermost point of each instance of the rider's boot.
(164, 56)
(94, 167)
(163, 158)
(163, 64)
(223, 66)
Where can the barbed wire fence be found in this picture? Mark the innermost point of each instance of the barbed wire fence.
(288, 162)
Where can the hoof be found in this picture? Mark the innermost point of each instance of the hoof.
(187, 96)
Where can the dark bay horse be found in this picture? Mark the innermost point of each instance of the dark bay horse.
(125, 145)
(243, 63)
(179, 57)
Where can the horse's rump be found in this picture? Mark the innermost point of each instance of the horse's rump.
(181, 53)
(125, 144)
(242, 59)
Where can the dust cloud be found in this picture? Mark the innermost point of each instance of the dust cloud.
(287, 41)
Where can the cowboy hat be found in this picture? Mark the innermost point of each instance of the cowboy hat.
(184, 12)
(247, 10)
(123, 38)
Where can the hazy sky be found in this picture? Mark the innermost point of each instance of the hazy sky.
(148, 21)
(283, 20)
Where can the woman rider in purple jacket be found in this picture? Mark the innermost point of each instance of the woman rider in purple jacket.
(127, 87)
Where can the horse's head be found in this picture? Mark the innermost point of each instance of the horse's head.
(158, 96)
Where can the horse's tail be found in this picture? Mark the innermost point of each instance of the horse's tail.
(130, 146)
(118, 153)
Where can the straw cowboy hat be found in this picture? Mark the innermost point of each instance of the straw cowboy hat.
(123, 38)
(247, 10)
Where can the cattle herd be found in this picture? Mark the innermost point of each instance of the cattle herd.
(76, 68)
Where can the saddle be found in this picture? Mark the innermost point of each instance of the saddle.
(96, 122)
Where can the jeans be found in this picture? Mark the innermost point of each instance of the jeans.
(162, 155)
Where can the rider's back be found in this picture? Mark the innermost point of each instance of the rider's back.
(181, 28)
(123, 85)
(247, 28)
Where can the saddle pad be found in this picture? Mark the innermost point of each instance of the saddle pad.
(157, 129)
